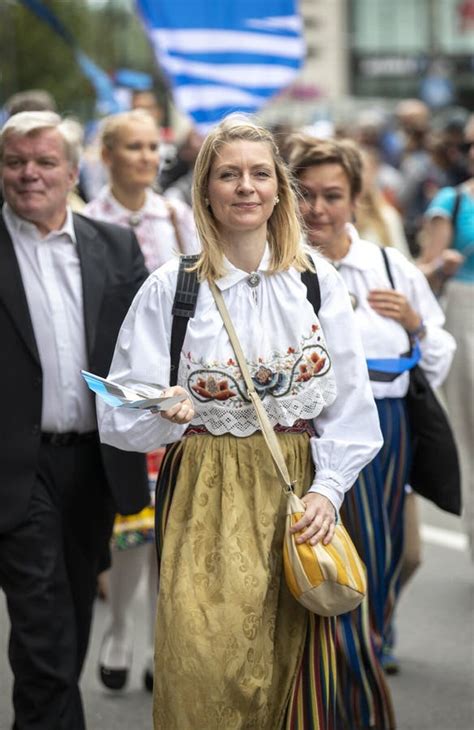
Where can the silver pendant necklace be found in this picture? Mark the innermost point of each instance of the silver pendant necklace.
(134, 219)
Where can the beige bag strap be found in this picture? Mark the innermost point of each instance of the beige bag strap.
(265, 425)
(174, 222)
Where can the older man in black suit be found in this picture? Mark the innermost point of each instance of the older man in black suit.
(66, 283)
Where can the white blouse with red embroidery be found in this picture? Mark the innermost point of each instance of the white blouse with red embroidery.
(304, 366)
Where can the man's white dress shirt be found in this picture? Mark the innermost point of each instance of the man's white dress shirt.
(51, 273)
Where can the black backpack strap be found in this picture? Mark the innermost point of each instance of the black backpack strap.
(387, 268)
(184, 306)
(187, 287)
(313, 290)
(372, 373)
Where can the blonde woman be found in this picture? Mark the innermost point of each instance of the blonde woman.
(233, 648)
(130, 144)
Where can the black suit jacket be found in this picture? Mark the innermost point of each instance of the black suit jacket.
(112, 271)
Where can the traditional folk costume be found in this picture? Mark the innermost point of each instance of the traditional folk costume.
(373, 509)
(233, 648)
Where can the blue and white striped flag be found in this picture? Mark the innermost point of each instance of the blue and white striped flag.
(227, 55)
(107, 100)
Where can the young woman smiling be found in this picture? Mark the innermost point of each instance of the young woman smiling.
(233, 648)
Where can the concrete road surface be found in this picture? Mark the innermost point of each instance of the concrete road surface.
(434, 690)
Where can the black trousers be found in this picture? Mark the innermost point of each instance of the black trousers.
(48, 570)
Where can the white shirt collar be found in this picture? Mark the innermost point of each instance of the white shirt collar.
(24, 227)
(356, 257)
(233, 275)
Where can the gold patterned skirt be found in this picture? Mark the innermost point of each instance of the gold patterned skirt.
(232, 645)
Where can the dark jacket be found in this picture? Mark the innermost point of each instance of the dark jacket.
(112, 271)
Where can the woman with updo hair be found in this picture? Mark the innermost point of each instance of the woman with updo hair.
(130, 148)
(390, 319)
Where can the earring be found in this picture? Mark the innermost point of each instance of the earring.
(277, 199)
(206, 202)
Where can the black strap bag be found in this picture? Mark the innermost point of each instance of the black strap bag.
(435, 472)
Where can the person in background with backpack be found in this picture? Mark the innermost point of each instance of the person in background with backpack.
(329, 176)
(449, 230)
(233, 648)
(130, 150)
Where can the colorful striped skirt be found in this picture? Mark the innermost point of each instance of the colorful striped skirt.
(233, 649)
(373, 515)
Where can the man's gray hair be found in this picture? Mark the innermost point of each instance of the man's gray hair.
(25, 123)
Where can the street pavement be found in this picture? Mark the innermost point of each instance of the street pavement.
(434, 690)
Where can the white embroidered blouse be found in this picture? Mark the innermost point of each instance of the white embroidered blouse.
(152, 225)
(363, 269)
(304, 366)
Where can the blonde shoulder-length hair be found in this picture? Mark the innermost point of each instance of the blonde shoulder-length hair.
(284, 233)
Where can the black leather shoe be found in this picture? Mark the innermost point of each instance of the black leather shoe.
(148, 680)
(113, 678)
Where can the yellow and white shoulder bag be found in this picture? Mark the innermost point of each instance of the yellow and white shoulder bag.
(326, 579)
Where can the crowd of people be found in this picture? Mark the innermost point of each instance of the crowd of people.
(100, 278)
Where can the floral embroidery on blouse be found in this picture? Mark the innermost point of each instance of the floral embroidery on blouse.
(209, 388)
(284, 375)
(313, 366)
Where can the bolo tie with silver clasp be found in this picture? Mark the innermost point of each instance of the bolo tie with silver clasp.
(253, 280)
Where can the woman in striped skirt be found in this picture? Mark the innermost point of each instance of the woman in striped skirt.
(329, 174)
(233, 649)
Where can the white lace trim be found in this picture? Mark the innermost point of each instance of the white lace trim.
(306, 404)
(294, 384)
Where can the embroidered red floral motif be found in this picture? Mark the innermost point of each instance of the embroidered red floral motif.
(313, 365)
(213, 389)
